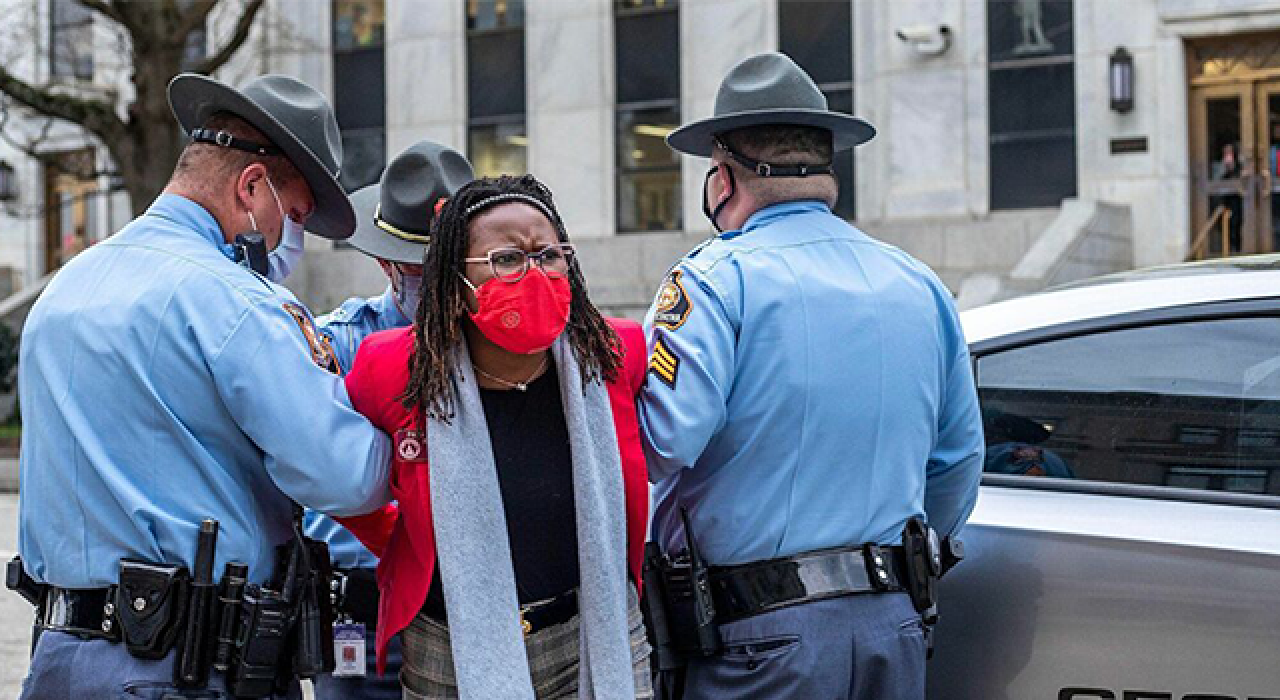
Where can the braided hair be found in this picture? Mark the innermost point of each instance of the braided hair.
(437, 328)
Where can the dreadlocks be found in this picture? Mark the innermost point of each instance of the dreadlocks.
(438, 327)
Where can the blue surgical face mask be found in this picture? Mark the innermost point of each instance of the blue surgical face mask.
(407, 291)
(288, 252)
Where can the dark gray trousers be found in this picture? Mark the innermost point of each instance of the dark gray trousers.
(67, 668)
(864, 647)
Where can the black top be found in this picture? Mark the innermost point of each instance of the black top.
(535, 472)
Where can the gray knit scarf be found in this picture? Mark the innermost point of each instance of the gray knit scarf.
(474, 552)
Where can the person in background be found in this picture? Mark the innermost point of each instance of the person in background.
(393, 220)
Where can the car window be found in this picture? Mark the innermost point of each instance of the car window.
(1194, 405)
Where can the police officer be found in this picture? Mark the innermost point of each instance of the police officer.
(164, 383)
(809, 395)
(393, 220)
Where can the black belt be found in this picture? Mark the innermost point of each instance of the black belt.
(535, 617)
(88, 613)
(750, 589)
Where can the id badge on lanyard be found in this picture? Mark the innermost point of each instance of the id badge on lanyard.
(349, 650)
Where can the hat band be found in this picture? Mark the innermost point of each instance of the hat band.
(770, 170)
(226, 140)
(396, 231)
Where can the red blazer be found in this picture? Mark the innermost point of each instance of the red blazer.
(403, 536)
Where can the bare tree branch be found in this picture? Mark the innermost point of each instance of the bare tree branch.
(195, 17)
(238, 37)
(94, 115)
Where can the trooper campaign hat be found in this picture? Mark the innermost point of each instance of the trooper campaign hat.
(769, 89)
(393, 217)
(296, 119)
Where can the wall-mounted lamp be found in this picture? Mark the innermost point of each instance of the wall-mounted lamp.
(1121, 80)
(927, 40)
(8, 183)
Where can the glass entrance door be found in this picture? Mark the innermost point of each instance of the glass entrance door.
(1268, 120)
(1224, 167)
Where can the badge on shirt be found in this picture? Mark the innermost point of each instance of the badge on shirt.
(664, 364)
(321, 349)
(348, 650)
(410, 447)
(672, 308)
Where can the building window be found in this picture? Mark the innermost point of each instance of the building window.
(71, 40)
(647, 72)
(195, 49)
(496, 136)
(1032, 100)
(818, 35)
(360, 89)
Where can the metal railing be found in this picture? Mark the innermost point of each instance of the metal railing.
(1220, 217)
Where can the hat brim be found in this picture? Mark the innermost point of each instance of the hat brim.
(698, 138)
(372, 240)
(195, 98)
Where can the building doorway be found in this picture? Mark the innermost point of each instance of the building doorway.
(69, 190)
(1235, 144)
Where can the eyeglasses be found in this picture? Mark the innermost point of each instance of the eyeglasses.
(511, 264)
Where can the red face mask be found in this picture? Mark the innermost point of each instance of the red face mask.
(525, 317)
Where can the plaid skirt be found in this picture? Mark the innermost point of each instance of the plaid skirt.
(427, 673)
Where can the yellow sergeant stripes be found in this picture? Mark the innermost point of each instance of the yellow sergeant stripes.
(664, 364)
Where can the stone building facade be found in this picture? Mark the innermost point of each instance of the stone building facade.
(1021, 143)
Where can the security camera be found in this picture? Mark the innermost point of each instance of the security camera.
(927, 40)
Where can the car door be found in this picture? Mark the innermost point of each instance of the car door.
(1126, 542)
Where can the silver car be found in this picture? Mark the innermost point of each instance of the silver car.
(1126, 543)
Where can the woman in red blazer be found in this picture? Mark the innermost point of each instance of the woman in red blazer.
(515, 547)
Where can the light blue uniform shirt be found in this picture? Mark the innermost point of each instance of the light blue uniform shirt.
(809, 387)
(161, 384)
(346, 326)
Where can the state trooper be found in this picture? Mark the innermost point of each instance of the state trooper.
(393, 226)
(178, 403)
(809, 402)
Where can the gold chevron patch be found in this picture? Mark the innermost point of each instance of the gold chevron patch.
(664, 364)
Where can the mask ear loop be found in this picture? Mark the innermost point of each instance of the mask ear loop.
(714, 214)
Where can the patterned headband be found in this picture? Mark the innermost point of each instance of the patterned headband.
(510, 197)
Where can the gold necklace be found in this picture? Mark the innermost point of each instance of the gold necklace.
(519, 386)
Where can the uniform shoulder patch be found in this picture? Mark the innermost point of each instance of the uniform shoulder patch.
(321, 349)
(664, 364)
(672, 307)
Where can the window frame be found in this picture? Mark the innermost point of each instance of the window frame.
(1262, 307)
(998, 198)
(57, 34)
(621, 109)
(476, 123)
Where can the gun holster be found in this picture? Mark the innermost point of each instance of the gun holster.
(151, 601)
(17, 580)
(923, 564)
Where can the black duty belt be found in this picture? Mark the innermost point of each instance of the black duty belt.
(88, 613)
(535, 617)
(750, 589)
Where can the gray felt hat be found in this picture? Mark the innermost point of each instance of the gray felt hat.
(295, 118)
(393, 217)
(769, 88)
